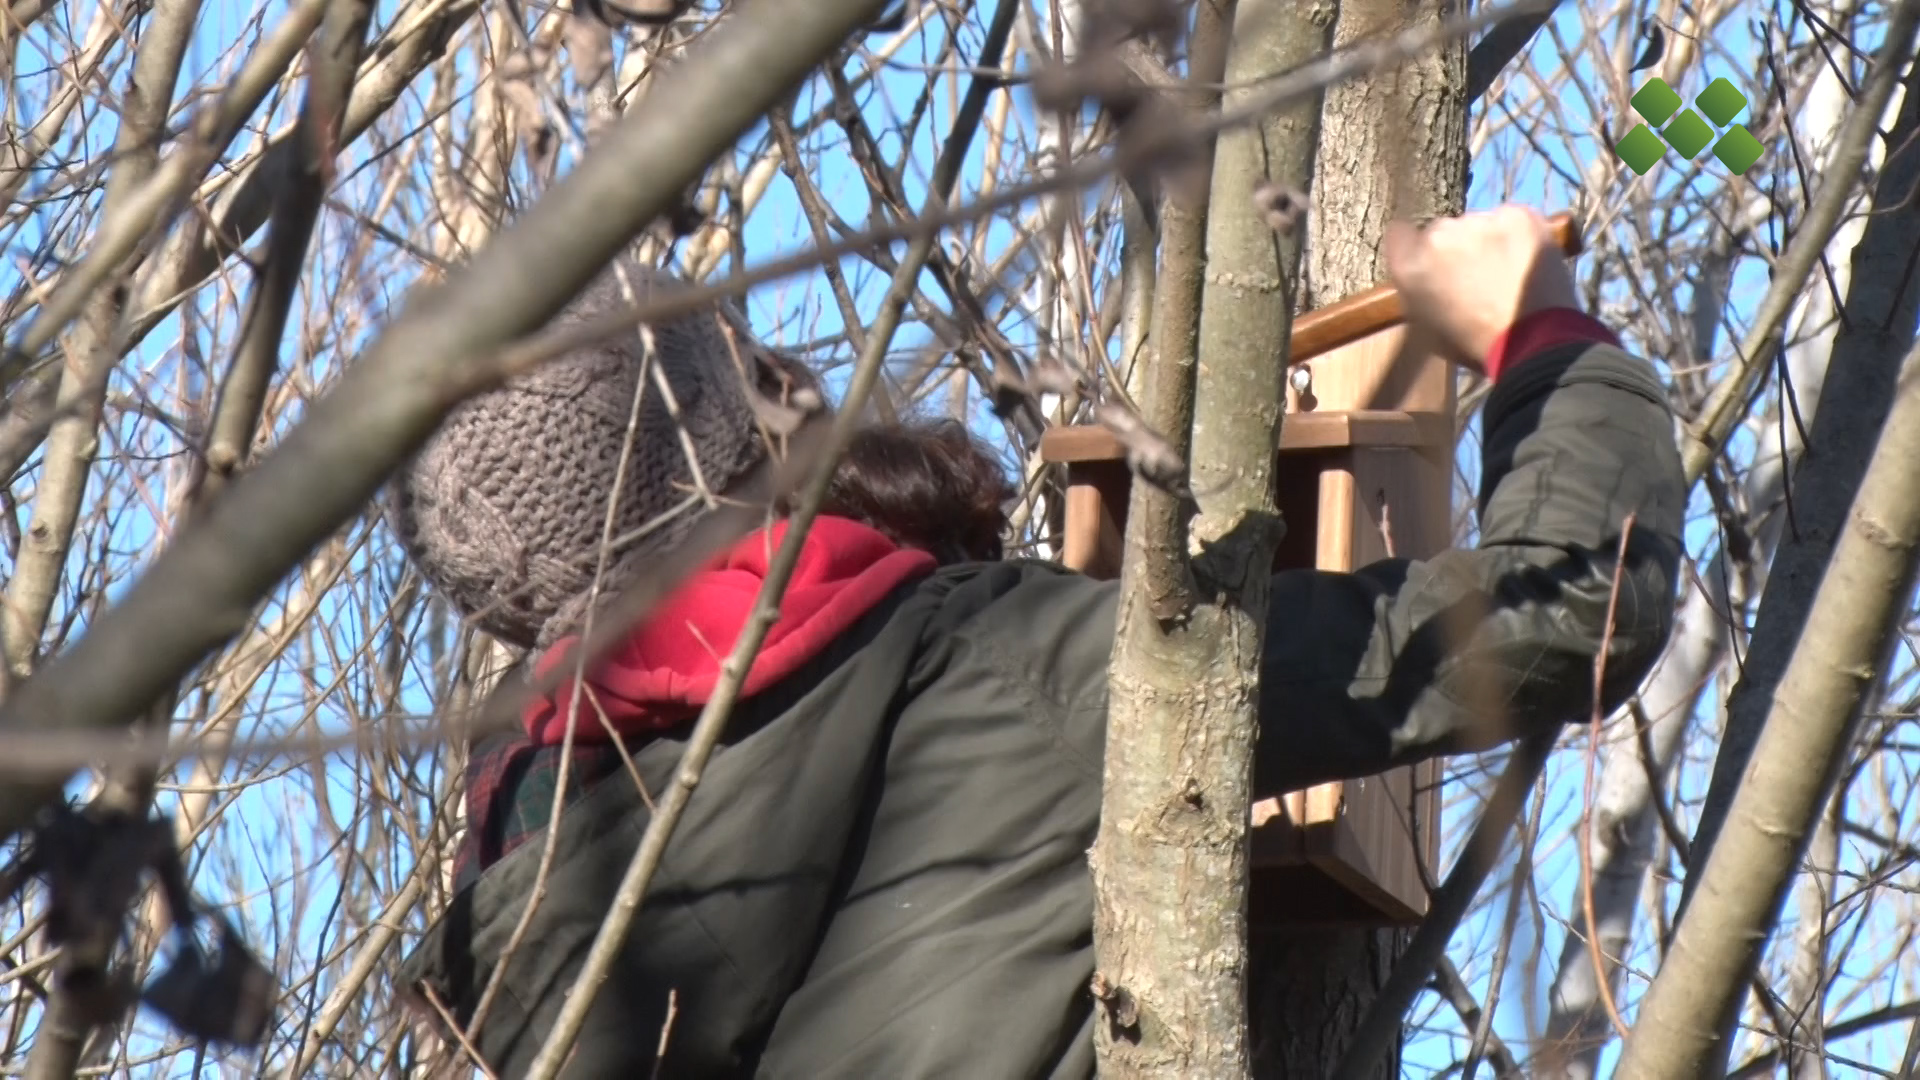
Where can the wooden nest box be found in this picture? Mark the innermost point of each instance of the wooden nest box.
(1364, 472)
(1363, 459)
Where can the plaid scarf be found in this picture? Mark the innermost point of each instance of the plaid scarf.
(511, 783)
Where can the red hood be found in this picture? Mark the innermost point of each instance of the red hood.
(667, 668)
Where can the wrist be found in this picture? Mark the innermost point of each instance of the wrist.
(1540, 330)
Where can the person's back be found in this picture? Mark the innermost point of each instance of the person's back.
(883, 871)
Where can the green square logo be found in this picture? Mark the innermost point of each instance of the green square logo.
(1688, 134)
(1656, 101)
(1721, 102)
(1684, 130)
(1737, 150)
(1640, 149)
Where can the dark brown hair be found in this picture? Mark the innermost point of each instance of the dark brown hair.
(926, 484)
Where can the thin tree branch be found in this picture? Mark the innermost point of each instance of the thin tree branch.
(1451, 986)
(384, 931)
(1877, 323)
(201, 590)
(1506, 40)
(1380, 1028)
(76, 1005)
(1184, 672)
(134, 217)
(83, 384)
(29, 408)
(128, 791)
(1723, 409)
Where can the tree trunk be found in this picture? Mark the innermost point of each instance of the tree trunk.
(1192, 621)
(1393, 145)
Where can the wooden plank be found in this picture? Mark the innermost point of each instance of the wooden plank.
(1284, 828)
(1371, 376)
(1377, 503)
(1085, 521)
(1300, 433)
(1371, 836)
(1374, 842)
(1278, 836)
(1096, 517)
(1384, 502)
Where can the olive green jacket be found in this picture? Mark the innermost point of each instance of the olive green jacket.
(883, 870)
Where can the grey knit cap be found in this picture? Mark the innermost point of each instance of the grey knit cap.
(504, 509)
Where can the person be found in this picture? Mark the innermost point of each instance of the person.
(883, 870)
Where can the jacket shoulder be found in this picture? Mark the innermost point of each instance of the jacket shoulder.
(1032, 620)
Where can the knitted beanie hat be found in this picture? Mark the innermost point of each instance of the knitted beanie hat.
(504, 510)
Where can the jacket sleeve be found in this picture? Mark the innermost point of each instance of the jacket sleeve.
(1405, 659)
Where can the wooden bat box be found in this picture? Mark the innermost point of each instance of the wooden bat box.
(1364, 471)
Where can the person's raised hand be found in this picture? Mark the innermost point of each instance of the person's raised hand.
(1464, 281)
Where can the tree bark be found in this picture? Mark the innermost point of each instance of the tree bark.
(1393, 145)
(1185, 674)
(1805, 1040)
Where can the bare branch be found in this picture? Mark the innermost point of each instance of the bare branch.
(199, 591)
(1800, 751)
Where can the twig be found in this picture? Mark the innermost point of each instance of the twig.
(1483, 1035)
(1025, 420)
(705, 735)
(165, 190)
(128, 789)
(1451, 986)
(817, 212)
(30, 406)
(1594, 731)
(460, 1037)
(1380, 1028)
(563, 775)
(1766, 1064)
(86, 954)
(1160, 144)
(385, 930)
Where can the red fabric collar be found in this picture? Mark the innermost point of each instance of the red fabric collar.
(1541, 330)
(668, 667)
